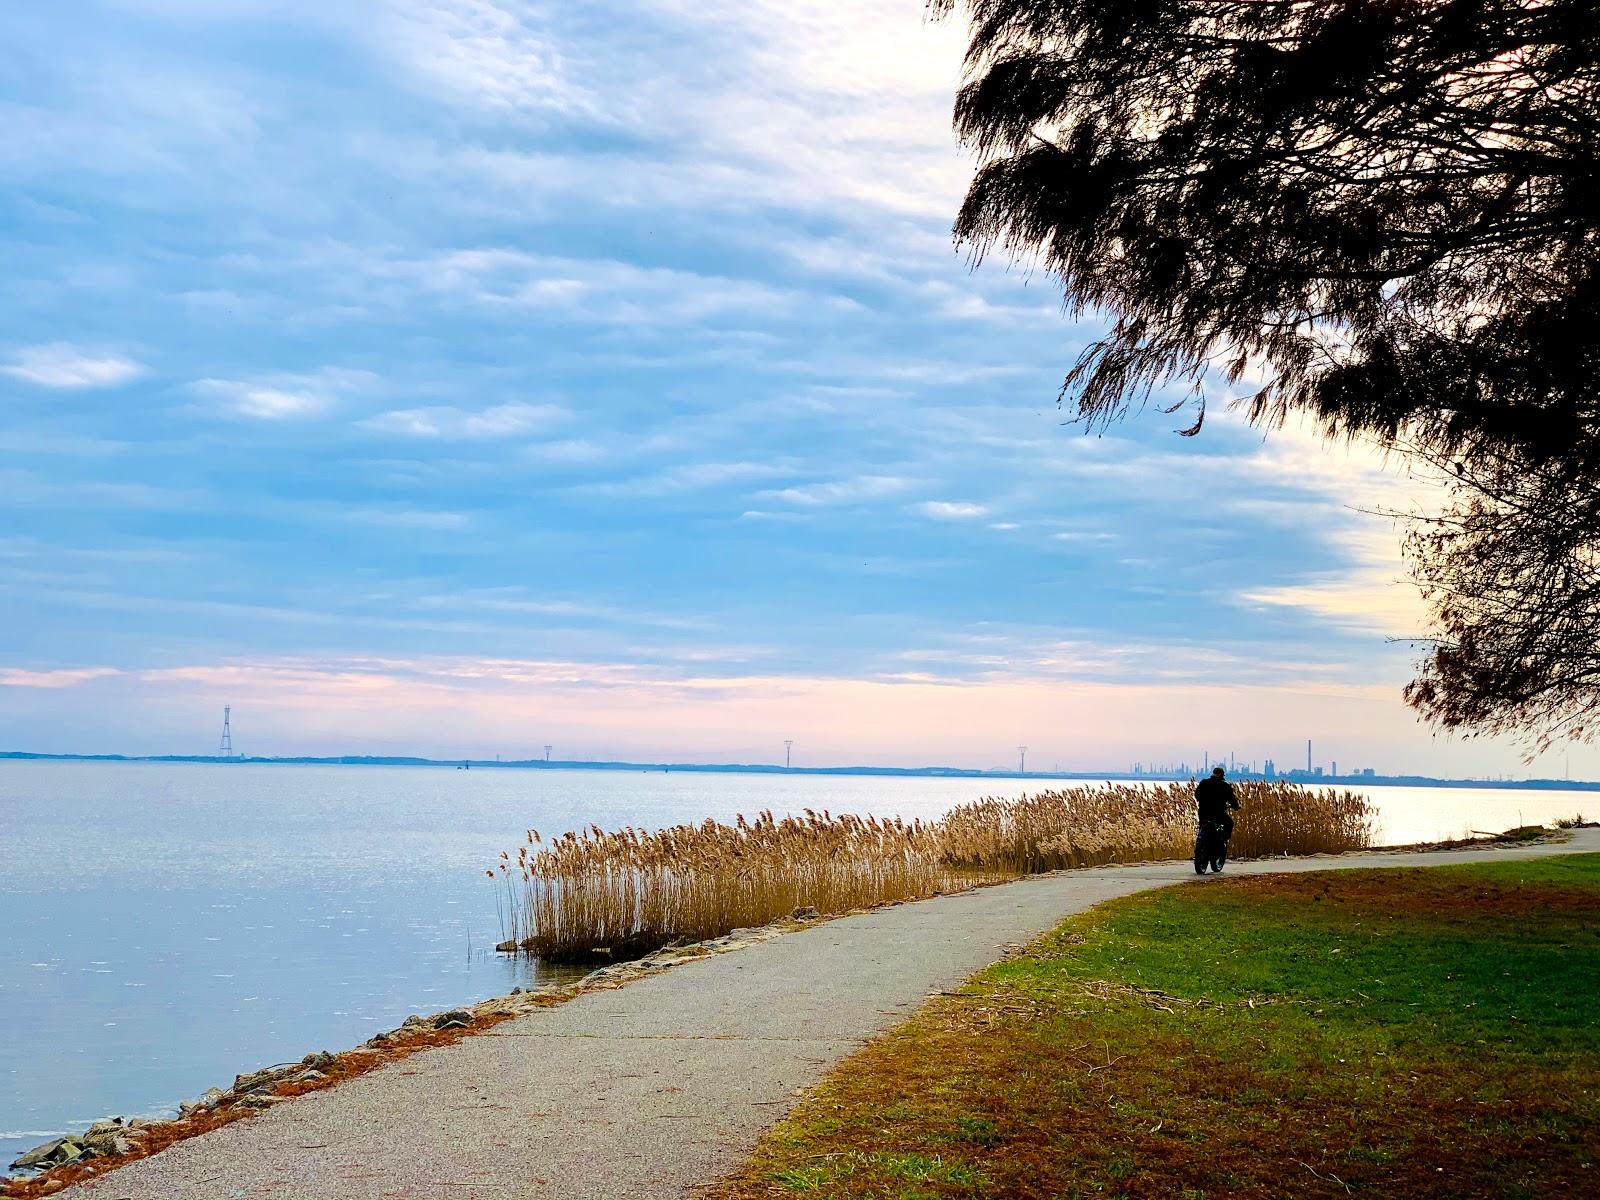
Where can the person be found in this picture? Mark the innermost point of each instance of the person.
(1216, 804)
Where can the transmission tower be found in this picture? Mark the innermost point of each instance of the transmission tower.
(788, 745)
(1022, 760)
(547, 754)
(225, 748)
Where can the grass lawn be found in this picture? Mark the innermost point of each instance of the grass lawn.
(1392, 1033)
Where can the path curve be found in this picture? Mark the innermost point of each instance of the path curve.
(658, 1087)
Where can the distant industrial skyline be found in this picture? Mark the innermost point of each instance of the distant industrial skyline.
(1265, 767)
(1367, 776)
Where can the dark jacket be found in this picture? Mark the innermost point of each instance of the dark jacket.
(1215, 797)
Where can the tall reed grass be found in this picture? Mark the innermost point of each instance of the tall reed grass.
(629, 891)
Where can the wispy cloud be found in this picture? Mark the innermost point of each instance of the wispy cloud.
(691, 477)
(604, 290)
(840, 491)
(282, 397)
(951, 510)
(480, 53)
(65, 366)
(444, 421)
(1368, 592)
(404, 518)
(66, 678)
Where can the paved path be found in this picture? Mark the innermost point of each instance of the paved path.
(654, 1088)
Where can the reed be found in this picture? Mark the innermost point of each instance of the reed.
(1284, 818)
(632, 891)
(629, 891)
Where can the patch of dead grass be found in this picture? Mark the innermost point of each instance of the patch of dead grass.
(1060, 1074)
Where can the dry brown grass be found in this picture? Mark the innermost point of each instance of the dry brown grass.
(1398, 1034)
(634, 891)
(630, 891)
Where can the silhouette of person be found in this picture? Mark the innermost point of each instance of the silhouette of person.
(1216, 802)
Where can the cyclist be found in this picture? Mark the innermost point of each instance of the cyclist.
(1215, 803)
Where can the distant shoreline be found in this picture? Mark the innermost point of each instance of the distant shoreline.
(539, 764)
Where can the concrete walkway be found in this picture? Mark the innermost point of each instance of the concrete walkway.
(657, 1087)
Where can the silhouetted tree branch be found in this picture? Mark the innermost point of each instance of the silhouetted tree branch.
(1511, 575)
(1381, 212)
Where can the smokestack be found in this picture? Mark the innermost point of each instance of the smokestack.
(1308, 756)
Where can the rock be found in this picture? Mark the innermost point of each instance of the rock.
(805, 912)
(456, 1018)
(741, 933)
(413, 1021)
(507, 947)
(70, 1151)
(311, 1077)
(39, 1155)
(106, 1138)
(516, 991)
(320, 1061)
(377, 1041)
(210, 1098)
(260, 1100)
(266, 1077)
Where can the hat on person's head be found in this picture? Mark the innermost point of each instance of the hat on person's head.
(1217, 771)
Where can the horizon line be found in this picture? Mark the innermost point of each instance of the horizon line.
(1296, 775)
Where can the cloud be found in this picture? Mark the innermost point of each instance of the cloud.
(1367, 594)
(690, 477)
(70, 677)
(591, 289)
(569, 450)
(840, 491)
(502, 420)
(950, 510)
(403, 518)
(283, 397)
(406, 704)
(68, 367)
(759, 514)
(480, 53)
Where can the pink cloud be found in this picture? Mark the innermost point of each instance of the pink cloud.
(17, 677)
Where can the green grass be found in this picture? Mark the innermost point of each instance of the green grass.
(1394, 1033)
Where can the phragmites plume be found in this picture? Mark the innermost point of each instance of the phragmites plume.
(629, 891)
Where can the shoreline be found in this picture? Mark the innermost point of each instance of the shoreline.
(927, 772)
(256, 1091)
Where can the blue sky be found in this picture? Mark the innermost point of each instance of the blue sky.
(464, 376)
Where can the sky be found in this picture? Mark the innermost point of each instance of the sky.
(461, 377)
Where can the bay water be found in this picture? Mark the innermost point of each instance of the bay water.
(164, 926)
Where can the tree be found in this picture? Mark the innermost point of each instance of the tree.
(1386, 209)
(1511, 574)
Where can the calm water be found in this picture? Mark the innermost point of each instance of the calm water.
(165, 926)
